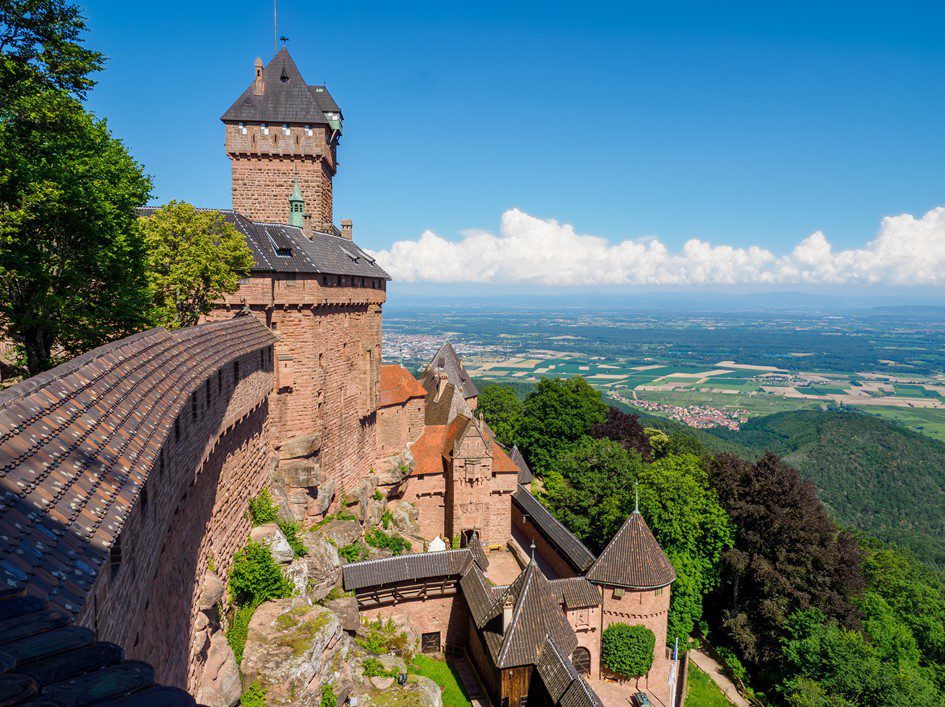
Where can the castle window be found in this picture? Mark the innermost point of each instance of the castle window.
(236, 372)
(114, 557)
(264, 128)
(242, 128)
(207, 401)
(219, 380)
(193, 405)
(308, 131)
(618, 593)
(285, 130)
(430, 642)
(659, 592)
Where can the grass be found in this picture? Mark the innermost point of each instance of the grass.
(927, 421)
(702, 692)
(442, 673)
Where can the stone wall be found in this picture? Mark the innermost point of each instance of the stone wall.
(526, 533)
(587, 628)
(448, 615)
(427, 493)
(192, 509)
(265, 167)
(651, 609)
(398, 426)
(327, 363)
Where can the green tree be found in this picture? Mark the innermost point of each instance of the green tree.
(72, 273)
(502, 409)
(627, 650)
(194, 258)
(590, 489)
(557, 414)
(41, 50)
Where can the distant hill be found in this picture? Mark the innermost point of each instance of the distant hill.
(873, 475)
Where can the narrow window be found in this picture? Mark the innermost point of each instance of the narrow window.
(177, 430)
(193, 405)
(236, 372)
(219, 380)
(242, 128)
(114, 557)
(207, 401)
(262, 358)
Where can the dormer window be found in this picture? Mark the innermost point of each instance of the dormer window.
(264, 128)
(242, 128)
(285, 130)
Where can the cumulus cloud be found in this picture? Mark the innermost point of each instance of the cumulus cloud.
(907, 251)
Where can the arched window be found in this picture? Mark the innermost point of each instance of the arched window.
(581, 658)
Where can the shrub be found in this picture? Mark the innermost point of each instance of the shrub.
(387, 519)
(355, 552)
(329, 698)
(389, 541)
(256, 577)
(255, 695)
(238, 629)
(373, 668)
(377, 496)
(628, 650)
(263, 509)
(382, 638)
(291, 532)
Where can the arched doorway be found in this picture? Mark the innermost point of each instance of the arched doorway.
(581, 658)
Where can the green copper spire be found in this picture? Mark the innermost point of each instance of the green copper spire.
(296, 206)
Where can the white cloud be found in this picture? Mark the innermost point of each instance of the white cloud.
(907, 251)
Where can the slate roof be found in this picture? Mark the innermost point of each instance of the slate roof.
(633, 559)
(525, 475)
(404, 568)
(398, 385)
(572, 549)
(278, 247)
(536, 617)
(286, 97)
(43, 656)
(576, 592)
(446, 361)
(77, 442)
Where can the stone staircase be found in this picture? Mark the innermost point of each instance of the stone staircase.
(470, 682)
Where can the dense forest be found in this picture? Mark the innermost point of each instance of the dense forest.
(803, 610)
(873, 475)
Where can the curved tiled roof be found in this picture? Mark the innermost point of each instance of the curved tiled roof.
(76, 444)
(633, 559)
(42, 656)
(398, 385)
(573, 550)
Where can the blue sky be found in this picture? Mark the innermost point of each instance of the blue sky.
(745, 124)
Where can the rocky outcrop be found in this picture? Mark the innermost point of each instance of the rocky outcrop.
(270, 536)
(319, 571)
(292, 648)
(392, 470)
(341, 532)
(418, 692)
(347, 611)
(406, 517)
(297, 479)
(212, 590)
(219, 684)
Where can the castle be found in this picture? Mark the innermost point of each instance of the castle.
(126, 472)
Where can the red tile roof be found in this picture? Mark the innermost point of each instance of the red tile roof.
(398, 385)
(77, 442)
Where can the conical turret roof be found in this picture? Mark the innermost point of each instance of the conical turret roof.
(633, 559)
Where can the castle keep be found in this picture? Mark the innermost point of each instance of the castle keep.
(125, 476)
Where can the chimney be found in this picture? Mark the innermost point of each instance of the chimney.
(258, 85)
(346, 228)
(507, 606)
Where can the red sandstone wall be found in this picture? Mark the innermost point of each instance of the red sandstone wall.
(195, 508)
(264, 169)
(398, 426)
(587, 627)
(526, 533)
(449, 615)
(328, 362)
(649, 608)
(427, 493)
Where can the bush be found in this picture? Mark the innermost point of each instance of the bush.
(373, 668)
(628, 650)
(256, 577)
(389, 541)
(329, 698)
(291, 532)
(255, 695)
(387, 519)
(382, 638)
(355, 552)
(263, 509)
(238, 629)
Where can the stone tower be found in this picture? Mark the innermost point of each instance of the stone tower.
(283, 133)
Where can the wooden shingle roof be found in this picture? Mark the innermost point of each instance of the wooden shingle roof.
(572, 549)
(633, 559)
(77, 443)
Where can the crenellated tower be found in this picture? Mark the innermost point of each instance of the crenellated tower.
(282, 138)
